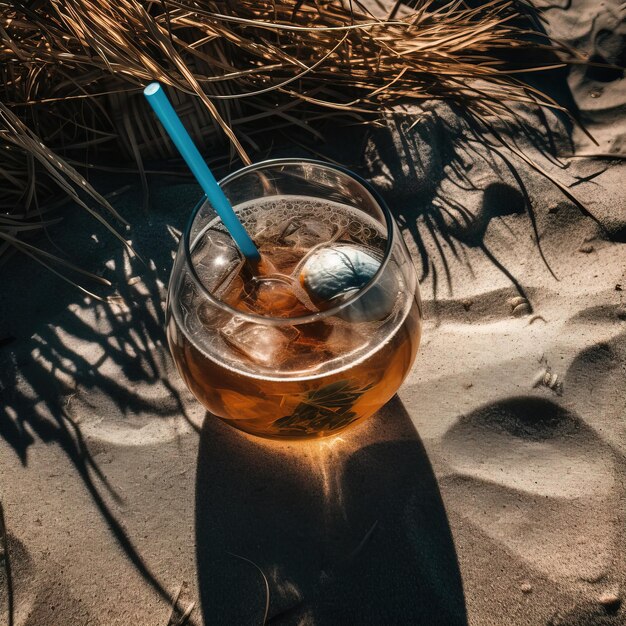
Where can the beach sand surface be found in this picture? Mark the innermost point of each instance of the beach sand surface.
(489, 491)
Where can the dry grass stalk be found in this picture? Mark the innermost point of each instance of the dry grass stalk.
(71, 73)
(178, 617)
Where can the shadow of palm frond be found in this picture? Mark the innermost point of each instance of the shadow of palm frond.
(97, 372)
(447, 177)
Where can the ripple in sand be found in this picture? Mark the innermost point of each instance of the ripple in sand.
(597, 379)
(530, 444)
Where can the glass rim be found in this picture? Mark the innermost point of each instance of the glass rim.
(301, 319)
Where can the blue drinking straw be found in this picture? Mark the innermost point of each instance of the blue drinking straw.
(171, 122)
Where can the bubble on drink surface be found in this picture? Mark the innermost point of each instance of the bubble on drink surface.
(300, 222)
(333, 274)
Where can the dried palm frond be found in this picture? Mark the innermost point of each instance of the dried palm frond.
(72, 72)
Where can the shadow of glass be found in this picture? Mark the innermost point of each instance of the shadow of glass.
(346, 530)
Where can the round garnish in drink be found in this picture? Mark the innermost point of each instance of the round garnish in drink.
(335, 273)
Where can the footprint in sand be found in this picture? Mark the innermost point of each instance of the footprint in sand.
(597, 378)
(534, 477)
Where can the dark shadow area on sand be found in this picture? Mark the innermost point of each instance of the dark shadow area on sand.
(73, 358)
(349, 530)
(63, 342)
(6, 576)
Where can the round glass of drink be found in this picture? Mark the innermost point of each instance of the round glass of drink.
(323, 331)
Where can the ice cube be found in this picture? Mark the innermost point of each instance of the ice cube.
(278, 259)
(305, 234)
(344, 339)
(260, 343)
(277, 297)
(210, 317)
(216, 260)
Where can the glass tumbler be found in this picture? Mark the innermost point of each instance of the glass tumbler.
(324, 333)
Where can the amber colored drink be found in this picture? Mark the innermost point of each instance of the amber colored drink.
(274, 375)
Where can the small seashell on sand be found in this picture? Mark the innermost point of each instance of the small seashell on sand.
(610, 599)
(546, 378)
(520, 306)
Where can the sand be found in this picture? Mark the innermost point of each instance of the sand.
(490, 491)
